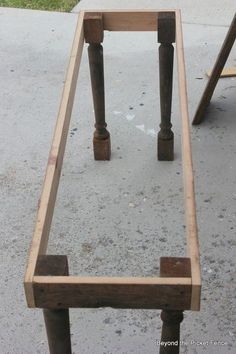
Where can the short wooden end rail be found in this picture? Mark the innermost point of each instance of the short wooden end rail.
(48, 284)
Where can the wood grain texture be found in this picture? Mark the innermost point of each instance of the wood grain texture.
(188, 179)
(130, 20)
(51, 181)
(127, 293)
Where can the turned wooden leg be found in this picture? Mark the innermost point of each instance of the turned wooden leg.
(170, 336)
(101, 139)
(94, 36)
(166, 36)
(56, 321)
(216, 71)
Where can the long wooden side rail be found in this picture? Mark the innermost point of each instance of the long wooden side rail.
(48, 284)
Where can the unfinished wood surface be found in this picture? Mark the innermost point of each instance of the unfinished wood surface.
(226, 72)
(51, 181)
(190, 208)
(130, 20)
(216, 71)
(146, 293)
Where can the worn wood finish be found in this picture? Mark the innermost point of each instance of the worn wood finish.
(56, 320)
(94, 35)
(170, 267)
(57, 325)
(188, 179)
(166, 36)
(93, 28)
(63, 291)
(52, 265)
(216, 72)
(51, 181)
(91, 292)
(170, 331)
(101, 139)
(175, 267)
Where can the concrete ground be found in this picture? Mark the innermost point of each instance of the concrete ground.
(117, 217)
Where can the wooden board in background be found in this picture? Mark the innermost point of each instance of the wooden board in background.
(227, 72)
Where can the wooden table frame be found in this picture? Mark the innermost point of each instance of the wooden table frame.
(47, 283)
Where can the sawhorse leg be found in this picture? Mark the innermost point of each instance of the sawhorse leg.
(216, 71)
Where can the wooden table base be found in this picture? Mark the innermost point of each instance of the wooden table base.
(48, 284)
